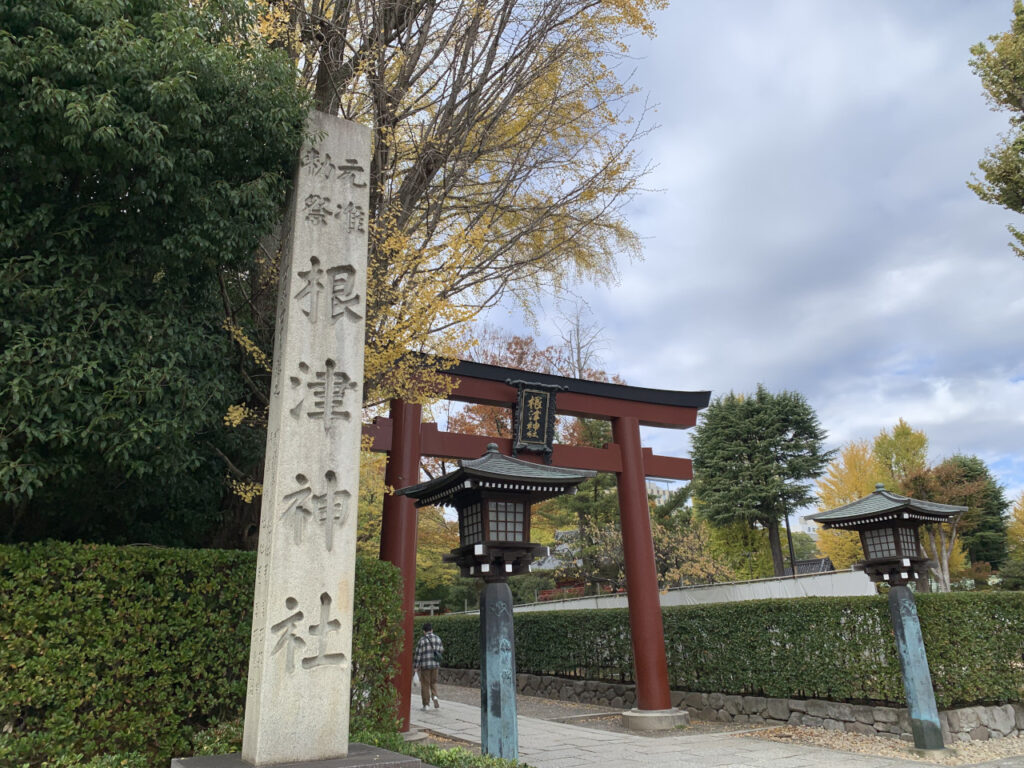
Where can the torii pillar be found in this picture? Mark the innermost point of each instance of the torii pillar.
(645, 625)
(398, 533)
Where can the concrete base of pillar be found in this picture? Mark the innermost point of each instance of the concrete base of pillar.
(655, 719)
(359, 755)
(413, 735)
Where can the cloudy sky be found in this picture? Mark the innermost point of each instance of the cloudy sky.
(814, 231)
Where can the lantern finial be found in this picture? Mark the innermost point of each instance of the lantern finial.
(879, 487)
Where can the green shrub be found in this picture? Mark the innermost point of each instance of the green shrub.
(838, 648)
(137, 649)
(434, 755)
(975, 645)
(376, 643)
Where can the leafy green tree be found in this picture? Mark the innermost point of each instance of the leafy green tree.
(1000, 66)
(1011, 577)
(675, 509)
(1015, 530)
(753, 456)
(899, 454)
(527, 586)
(745, 551)
(984, 526)
(804, 546)
(890, 458)
(145, 146)
(964, 481)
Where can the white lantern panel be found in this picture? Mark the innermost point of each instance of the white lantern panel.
(471, 528)
(908, 542)
(506, 521)
(880, 543)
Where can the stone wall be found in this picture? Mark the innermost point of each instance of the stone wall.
(966, 724)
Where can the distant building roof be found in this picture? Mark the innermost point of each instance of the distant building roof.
(885, 505)
(547, 563)
(814, 565)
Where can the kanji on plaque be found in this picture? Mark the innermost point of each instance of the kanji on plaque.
(328, 508)
(320, 631)
(534, 409)
(312, 288)
(297, 510)
(323, 165)
(325, 398)
(336, 284)
(343, 297)
(291, 643)
(320, 212)
(317, 210)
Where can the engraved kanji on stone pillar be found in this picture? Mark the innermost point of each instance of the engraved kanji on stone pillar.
(302, 613)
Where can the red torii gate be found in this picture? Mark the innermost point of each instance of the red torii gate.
(406, 440)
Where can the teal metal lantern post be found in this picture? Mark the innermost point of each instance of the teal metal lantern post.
(888, 525)
(493, 496)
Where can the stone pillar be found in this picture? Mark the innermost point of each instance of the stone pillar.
(499, 731)
(917, 678)
(297, 702)
(398, 532)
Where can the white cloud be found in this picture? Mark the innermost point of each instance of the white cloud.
(815, 232)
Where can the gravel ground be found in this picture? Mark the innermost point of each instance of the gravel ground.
(1009, 751)
(570, 712)
(585, 715)
(527, 706)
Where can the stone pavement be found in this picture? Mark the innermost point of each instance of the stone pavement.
(547, 744)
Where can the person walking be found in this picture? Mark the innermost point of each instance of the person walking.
(426, 658)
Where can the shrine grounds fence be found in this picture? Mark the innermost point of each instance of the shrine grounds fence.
(133, 650)
(837, 648)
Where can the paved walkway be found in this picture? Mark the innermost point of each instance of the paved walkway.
(546, 744)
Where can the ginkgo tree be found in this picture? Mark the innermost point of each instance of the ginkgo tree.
(851, 476)
(890, 458)
(1015, 530)
(504, 149)
(897, 459)
(1012, 572)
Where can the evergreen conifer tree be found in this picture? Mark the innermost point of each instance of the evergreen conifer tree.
(753, 456)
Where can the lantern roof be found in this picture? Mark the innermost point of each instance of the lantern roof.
(885, 505)
(496, 472)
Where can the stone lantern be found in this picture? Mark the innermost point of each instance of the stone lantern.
(888, 526)
(493, 496)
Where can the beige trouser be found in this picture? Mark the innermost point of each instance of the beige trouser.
(428, 684)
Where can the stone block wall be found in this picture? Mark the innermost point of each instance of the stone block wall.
(966, 724)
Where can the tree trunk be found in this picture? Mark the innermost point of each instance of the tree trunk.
(942, 552)
(776, 543)
(792, 554)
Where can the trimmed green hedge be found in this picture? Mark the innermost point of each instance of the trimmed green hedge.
(838, 648)
(122, 649)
